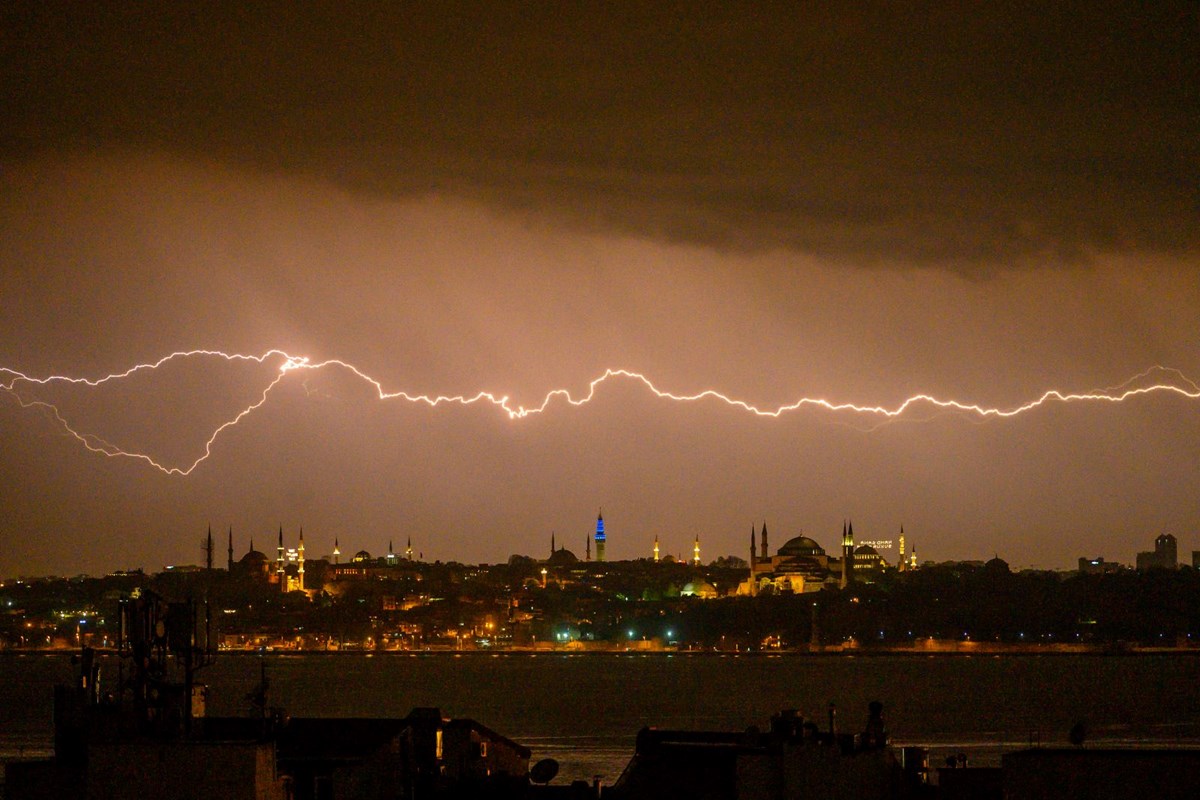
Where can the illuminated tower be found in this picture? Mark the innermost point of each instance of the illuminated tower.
(900, 563)
(408, 551)
(847, 554)
(696, 551)
(912, 559)
(765, 555)
(391, 556)
(600, 537)
(300, 559)
(230, 567)
(279, 574)
(337, 553)
(656, 548)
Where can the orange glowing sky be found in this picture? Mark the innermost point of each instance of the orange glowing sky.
(858, 206)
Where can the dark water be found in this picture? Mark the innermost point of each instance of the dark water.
(585, 710)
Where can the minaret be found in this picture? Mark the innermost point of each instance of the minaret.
(656, 548)
(208, 550)
(279, 573)
(765, 553)
(587, 547)
(696, 551)
(912, 559)
(600, 537)
(337, 553)
(300, 553)
(753, 561)
(231, 548)
(552, 543)
(900, 562)
(391, 556)
(408, 553)
(847, 554)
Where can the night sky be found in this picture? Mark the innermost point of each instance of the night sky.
(858, 205)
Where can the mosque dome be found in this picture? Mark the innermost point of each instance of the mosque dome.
(253, 558)
(801, 546)
(361, 556)
(702, 589)
(996, 564)
(865, 550)
(562, 557)
(255, 564)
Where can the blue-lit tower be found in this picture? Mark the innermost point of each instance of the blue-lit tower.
(600, 538)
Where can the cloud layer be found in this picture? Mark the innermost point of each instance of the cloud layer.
(884, 134)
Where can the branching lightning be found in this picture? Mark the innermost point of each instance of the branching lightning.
(14, 383)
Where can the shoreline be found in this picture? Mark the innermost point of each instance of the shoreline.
(942, 649)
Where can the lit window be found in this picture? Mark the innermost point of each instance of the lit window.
(438, 746)
(483, 749)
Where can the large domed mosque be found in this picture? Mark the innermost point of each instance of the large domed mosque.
(802, 565)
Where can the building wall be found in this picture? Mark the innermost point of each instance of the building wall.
(183, 771)
(465, 755)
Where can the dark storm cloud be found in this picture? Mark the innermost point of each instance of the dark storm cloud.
(887, 133)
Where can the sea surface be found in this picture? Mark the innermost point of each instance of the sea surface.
(584, 710)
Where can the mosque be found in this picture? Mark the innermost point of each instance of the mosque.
(802, 565)
(286, 572)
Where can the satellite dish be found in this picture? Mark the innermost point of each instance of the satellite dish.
(543, 771)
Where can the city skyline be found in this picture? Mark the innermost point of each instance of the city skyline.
(230, 545)
(858, 205)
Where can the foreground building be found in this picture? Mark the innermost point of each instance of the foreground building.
(793, 759)
(152, 738)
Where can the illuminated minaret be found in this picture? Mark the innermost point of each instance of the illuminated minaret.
(230, 567)
(337, 553)
(279, 574)
(847, 554)
(300, 559)
(408, 551)
(765, 554)
(912, 559)
(391, 556)
(696, 551)
(900, 564)
(656, 548)
(600, 537)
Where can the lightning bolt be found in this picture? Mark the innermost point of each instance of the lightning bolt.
(1169, 380)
